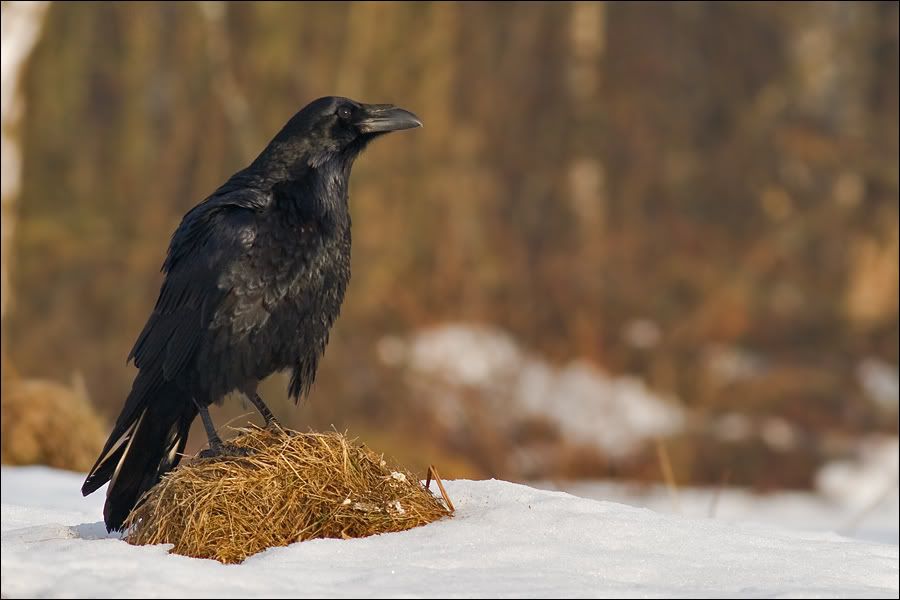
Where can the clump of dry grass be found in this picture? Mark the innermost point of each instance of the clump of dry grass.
(290, 487)
(48, 423)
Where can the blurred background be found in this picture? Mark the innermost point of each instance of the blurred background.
(636, 241)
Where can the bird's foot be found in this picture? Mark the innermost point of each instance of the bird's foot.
(224, 450)
(278, 429)
(274, 425)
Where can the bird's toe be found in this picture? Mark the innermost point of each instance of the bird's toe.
(223, 451)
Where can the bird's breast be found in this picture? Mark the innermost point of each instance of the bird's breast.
(302, 293)
(283, 295)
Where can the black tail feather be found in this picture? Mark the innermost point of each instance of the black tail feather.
(141, 450)
(101, 473)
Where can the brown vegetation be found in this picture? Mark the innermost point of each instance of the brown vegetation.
(47, 423)
(289, 487)
(725, 171)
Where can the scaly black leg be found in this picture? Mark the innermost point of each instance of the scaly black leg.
(263, 409)
(216, 446)
(215, 442)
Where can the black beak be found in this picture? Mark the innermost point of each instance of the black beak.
(381, 118)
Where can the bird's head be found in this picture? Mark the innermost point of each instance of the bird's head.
(335, 127)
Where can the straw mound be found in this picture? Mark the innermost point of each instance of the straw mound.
(289, 487)
(48, 423)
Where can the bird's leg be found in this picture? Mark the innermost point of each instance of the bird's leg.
(263, 410)
(216, 446)
(215, 442)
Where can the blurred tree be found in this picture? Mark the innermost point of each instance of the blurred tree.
(721, 175)
(22, 22)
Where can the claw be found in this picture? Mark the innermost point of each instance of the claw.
(224, 450)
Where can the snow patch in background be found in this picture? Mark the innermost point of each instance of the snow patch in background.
(615, 413)
(881, 382)
(454, 362)
(867, 478)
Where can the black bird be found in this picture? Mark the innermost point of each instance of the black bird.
(254, 278)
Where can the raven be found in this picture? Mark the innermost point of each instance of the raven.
(254, 278)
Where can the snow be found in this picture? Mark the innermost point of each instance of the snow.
(881, 382)
(858, 497)
(877, 520)
(505, 540)
(456, 362)
(861, 480)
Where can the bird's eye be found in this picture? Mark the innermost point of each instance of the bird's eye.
(344, 112)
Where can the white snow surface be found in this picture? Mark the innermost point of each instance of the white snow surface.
(877, 520)
(506, 540)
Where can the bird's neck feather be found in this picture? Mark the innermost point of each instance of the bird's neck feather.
(318, 191)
